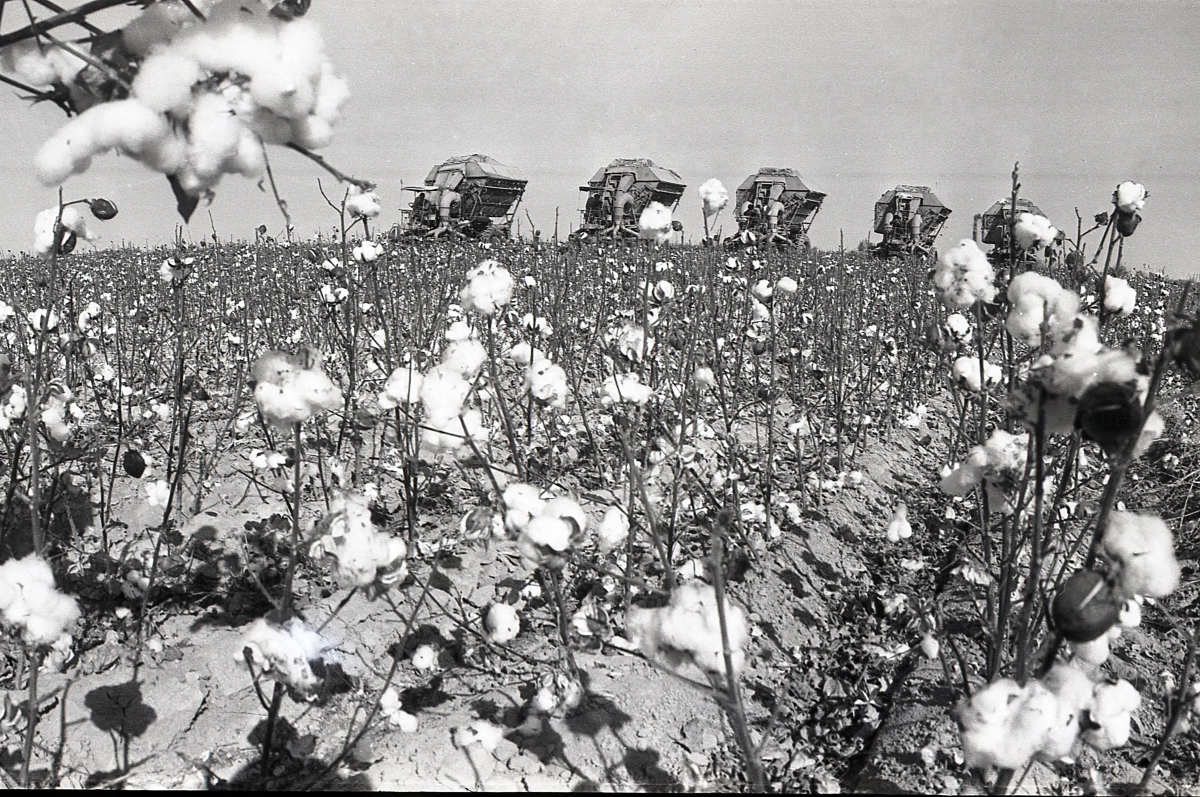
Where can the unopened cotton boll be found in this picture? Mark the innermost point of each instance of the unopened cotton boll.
(502, 624)
(1144, 549)
(654, 224)
(1119, 296)
(1032, 230)
(714, 196)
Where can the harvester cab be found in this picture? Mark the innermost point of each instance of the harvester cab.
(472, 196)
(910, 218)
(995, 228)
(618, 193)
(775, 206)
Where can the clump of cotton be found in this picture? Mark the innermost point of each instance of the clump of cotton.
(402, 387)
(362, 204)
(489, 286)
(1129, 197)
(43, 228)
(1143, 551)
(1034, 231)
(655, 223)
(964, 276)
(967, 374)
(365, 555)
(714, 196)
(1112, 710)
(290, 389)
(1119, 296)
(285, 652)
(1037, 302)
(689, 629)
(38, 65)
(30, 603)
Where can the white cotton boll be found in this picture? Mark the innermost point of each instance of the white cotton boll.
(966, 374)
(284, 653)
(547, 383)
(167, 155)
(69, 151)
(502, 624)
(613, 530)
(522, 502)
(714, 196)
(127, 125)
(1096, 652)
(967, 474)
(1035, 299)
(27, 62)
(318, 391)
(964, 276)
(1073, 691)
(331, 94)
(443, 391)
(691, 623)
(489, 286)
(624, 388)
(465, 357)
(1112, 710)
(311, 132)
(1119, 296)
(1144, 549)
(165, 82)
(43, 232)
(348, 534)
(959, 328)
(249, 159)
(1006, 452)
(1152, 429)
(1032, 230)
(704, 376)
(547, 531)
(1131, 614)
(424, 657)
(445, 435)
(215, 135)
(987, 721)
(898, 527)
(568, 509)
(1129, 197)
(523, 354)
(30, 601)
(362, 204)
(402, 387)
(281, 406)
(459, 330)
(786, 286)
(655, 223)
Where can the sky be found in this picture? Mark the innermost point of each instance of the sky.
(857, 96)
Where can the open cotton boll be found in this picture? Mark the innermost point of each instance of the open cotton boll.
(465, 357)
(964, 276)
(331, 94)
(1097, 651)
(1032, 230)
(402, 387)
(522, 502)
(489, 286)
(690, 623)
(502, 624)
(249, 159)
(967, 474)
(443, 391)
(362, 204)
(284, 652)
(167, 155)
(1073, 692)
(1112, 708)
(987, 722)
(547, 383)
(27, 62)
(165, 82)
(546, 531)
(69, 151)
(613, 530)
(1119, 296)
(29, 600)
(898, 527)
(1035, 300)
(1129, 197)
(624, 388)
(714, 196)
(447, 436)
(318, 390)
(215, 134)
(966, 374)
(655, 223)
(364, 554)
(1144, 549)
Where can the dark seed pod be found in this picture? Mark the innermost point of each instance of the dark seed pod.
(1109, 413)
(1127, 222)
(1086, 607)
(675, 340)
(133, 463)
(68, 243)
(102, 209)
(759, 348)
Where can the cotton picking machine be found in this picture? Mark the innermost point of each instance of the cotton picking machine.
(775, 206)
(910, 218)
(619, 192)
(471, 196)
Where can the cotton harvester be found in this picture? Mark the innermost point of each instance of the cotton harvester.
(909, 217)
(618, 193)
(472, 196)
(775, 206)
(995, 227)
